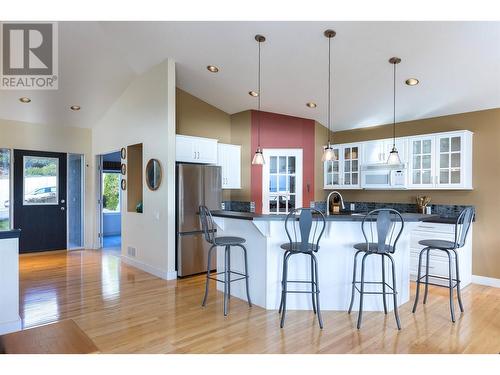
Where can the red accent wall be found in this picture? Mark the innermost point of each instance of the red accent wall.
(281, 131)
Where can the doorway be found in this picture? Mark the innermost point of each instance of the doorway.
(111, 199)
(40, 200)
(281, 180)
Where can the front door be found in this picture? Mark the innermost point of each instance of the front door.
(40, 200)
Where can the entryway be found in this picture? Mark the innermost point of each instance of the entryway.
(48, 200)
(110, 207)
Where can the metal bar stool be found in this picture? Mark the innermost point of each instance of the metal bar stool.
(462, 227)
(209, 231)
(385, 228)
(305, 241)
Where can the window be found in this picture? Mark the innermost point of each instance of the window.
(111, 193)
(4, 189)
(40, 180)
(282, 180)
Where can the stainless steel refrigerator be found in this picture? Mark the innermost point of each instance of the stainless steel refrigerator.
(196, 185)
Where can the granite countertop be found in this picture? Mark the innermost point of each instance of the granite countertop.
(10, 233)
(343, 216)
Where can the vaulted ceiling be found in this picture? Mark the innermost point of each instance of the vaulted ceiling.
(457, 63)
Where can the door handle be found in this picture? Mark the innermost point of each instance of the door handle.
(62, 208)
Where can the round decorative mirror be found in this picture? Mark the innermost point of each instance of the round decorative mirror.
(153, 174)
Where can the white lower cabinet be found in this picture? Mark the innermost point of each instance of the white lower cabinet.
(229, 158)
(438, 260)
(195, 149)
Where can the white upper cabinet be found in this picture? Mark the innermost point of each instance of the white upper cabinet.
(433, 161)
(441, 161)
(422, 169)
(377, 152)
(195, 149)
(229, 158)
(344, 172)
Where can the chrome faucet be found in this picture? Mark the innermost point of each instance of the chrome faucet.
(328, 201)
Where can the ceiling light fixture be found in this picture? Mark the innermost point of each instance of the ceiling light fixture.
(24, 99)
(75, 107)
(212, 68)
(328, 153)
(311, 105)
(412, 81)
(394, 155)
(253, 93)
(258, 158)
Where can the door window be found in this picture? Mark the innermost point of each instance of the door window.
(282, 180)
(40, 179)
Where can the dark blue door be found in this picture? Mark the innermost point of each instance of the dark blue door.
(40, 200)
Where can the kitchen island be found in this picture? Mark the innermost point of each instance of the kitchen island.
(264, 235)
(9, 279)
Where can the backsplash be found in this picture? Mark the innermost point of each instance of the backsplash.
(443, 210)
(239, 206)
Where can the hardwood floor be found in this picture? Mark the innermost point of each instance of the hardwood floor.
(125, 310)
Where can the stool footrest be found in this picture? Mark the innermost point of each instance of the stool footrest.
(438, 277)
(302, 291)
(392, 291)
(231, 280)
(301, 282)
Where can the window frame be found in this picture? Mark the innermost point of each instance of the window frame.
(56, 203)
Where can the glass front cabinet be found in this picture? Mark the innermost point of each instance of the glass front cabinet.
(344, 172)
(441, 161)
(433, 161)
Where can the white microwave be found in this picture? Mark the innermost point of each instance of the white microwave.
(383, 177)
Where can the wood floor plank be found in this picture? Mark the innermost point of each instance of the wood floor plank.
(125, 310)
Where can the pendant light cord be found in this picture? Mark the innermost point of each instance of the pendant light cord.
(394, 110)
(329, 85)
(258, 137)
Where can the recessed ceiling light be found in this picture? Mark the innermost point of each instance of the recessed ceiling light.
(212, 68)
(412, 81)
(75, 107)
(311, 105)
(24, 99)
(253, 93)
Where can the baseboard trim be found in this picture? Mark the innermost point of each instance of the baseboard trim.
(488, 281)
(149, 269)
(8, 327)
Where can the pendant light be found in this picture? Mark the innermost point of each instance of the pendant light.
(258, 158)
(394, 158)
(328, 153)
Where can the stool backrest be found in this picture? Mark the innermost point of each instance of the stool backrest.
(382, 227)
(462, 226)
(301, 227)
(207, 224)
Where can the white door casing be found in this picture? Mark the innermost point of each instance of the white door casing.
(282, 176)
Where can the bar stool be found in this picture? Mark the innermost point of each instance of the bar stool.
(209, 231)
(385, 227)
(462, 226)
(306, 241)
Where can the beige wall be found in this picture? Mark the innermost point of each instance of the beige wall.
(486, 178)
(145, 113)
(241, 135)
(197, 118)
(41, 137)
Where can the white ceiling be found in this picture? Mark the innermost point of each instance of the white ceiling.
(457, 63)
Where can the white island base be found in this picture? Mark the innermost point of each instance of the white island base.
(335, 265)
